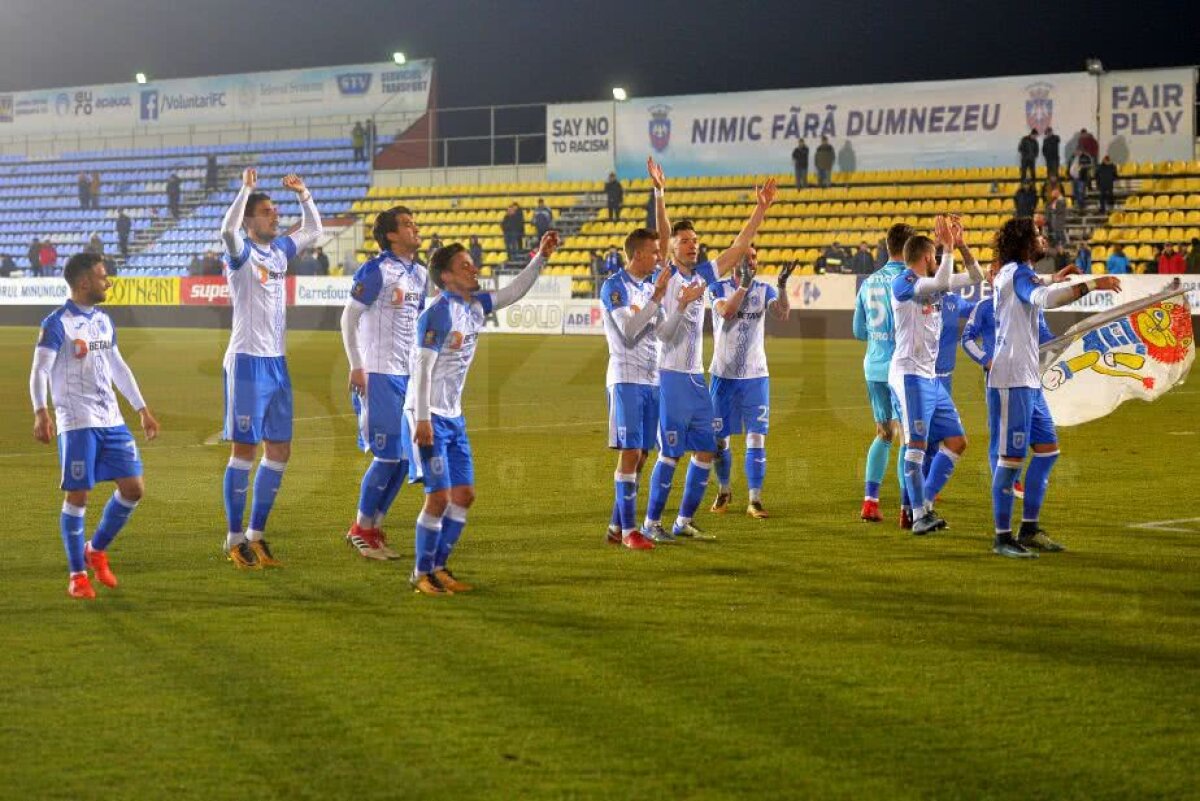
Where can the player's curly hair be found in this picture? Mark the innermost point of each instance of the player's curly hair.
(1016, 240)
(387, 223)
(440, 262)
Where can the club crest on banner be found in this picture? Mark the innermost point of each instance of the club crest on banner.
(660, 127)
(1039, 107)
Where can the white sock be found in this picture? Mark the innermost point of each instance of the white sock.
(253, 536)
(234, 539)
(755, 495)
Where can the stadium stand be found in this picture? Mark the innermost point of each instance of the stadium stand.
(1164, 207)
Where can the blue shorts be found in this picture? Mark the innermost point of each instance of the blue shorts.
(685, 417)
(632, 416)
(92, 455)
(947, 381)
(381, 418)
(741, 405)
(881, 401)
(926, 411)
(1017, 418)
(258, 399)
(448, 462)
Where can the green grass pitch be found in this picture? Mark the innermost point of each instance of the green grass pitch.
(807, 656)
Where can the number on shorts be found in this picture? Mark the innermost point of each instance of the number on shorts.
(764, 414)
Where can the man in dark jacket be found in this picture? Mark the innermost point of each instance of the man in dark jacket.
(210, 173)
(513, 227)
(615, 194)
(863, 262)
(35, 249)
(543, 219)
(124, 226)
(1025, 200)
(823, 161)
(1050, 152)
(173, 187)
(1106, 179)
(800, 164)
(1027, 149)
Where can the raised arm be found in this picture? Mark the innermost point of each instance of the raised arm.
(734, 253)
(781, 306)
(524, 280)
(661, 222)
(1033, 292)
(231, 225)
(310, 229)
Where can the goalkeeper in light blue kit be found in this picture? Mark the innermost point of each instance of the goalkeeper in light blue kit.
(439, 452)
(874, 322)
(927, 412)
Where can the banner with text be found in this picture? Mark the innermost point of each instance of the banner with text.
(1148, 115)
(929, 124)
(580, 141)
(356, 89)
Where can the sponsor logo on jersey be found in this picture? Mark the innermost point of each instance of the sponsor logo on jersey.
(82, 347)
(400, 297)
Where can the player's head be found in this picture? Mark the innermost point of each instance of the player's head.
(1019, 240)
(86, 275)
(453, 269)
(897, 237)
(641, 251)
(685, 243)
(261, 219)
(396, 230)
(920, 254)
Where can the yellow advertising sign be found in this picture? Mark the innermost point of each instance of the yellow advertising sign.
(143, 292)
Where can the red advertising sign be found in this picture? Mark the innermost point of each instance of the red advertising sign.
(213, 290)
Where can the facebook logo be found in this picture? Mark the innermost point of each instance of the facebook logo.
(149, 106)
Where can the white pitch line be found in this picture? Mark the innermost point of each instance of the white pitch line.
(1167, 525)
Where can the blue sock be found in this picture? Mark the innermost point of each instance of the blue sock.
(931, 452)
(375, 482)
(756, 469)
(693, 490)
(615, 520)
(429, 531)
(877, 456)
(393, 489)
(660, 487)
(267, 479)
(1002, 496)
(237, 484)
(1037, 478)
(724, 463)
(116, 514)
(626, 496)
(914, 477)
(939, 472)
(71, 523)
(453, 523)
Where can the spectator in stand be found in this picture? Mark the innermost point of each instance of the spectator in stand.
(863, 262)
(435, 244)
(1089, 144)
(95, 245)
(1106, 182)
(1027, 151)
(307, 263)
(597, 265)
(823, 161)
(835, 258)
(124, 226)
(615, 195)
(800, 164)
(212, 263)
(1051, 152)
(48, 257)
(543, 219)
(371, 136)
(513, 227)
(1118, 262)
(357, 141)
(1025, 200)
(174, 185)
(881, 254)
(1079, 169)
(85, 190)
(7, 266)
(322, 261)
(1151, 265)
(196, 266)
(1171, 261)
(1056, 219)
(1049, 186)
(34, 256)
(94, 190)
(1083, 257)
(476, 250)
(210, 173)
(1193, 257)
(613, 263)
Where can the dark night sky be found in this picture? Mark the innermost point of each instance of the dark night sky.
(519, 51)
